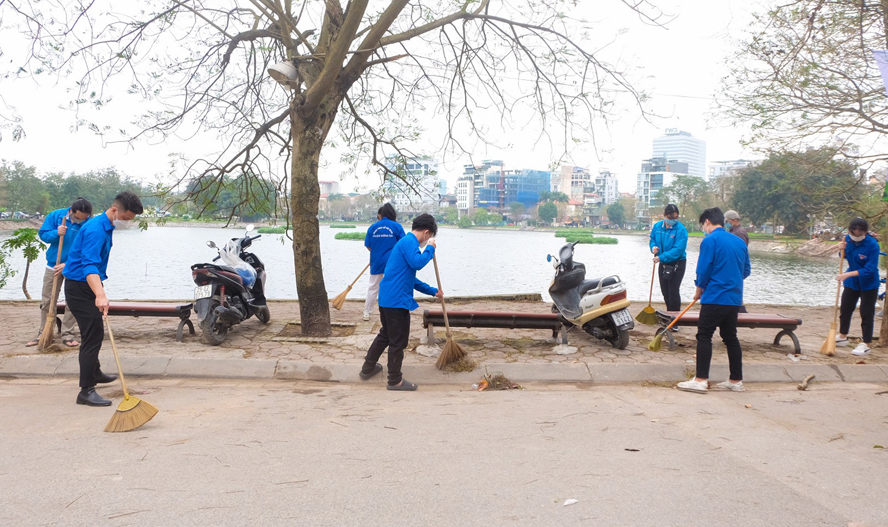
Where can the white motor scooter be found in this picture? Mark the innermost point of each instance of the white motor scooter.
(599, 306)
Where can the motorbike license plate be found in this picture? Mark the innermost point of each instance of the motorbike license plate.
(621, 317)
(203, 291)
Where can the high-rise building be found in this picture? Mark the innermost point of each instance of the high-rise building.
(573, 181)
(329, 187)
(655, 174)
(525, 185)
(606, 186)
(418, 191)
(684, 148)
(465, 194)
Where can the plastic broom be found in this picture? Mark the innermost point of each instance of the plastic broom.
(658, 340)
(648, 315)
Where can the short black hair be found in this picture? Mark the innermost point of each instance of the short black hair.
(859, 223)
(671, 208)
(82, 205)
(387, 211)
(425, 222)
(129, 202)
(714, 215)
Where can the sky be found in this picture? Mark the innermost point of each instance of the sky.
(681, 66)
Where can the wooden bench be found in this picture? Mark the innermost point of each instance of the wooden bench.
(786, 325)
(493, 319)
(144, 309)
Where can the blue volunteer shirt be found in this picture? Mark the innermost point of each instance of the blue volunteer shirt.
(49, 233)
(863, 257)
(396, 287)
(673, 242)
(381, 238)
(722, 266)
(89, 254)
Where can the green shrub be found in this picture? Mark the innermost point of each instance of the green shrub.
(588, 238)
(341, 226)
(350, 235)
(272, 230)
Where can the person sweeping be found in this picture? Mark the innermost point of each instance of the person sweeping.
(861, 283)
(669, 243)
(722, 266)
(396, 300)
(380, 240)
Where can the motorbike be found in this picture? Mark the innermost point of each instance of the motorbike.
(599, 306)
(231, 291)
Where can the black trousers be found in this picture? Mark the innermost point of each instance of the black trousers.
(394, 334)
(82, 302)
(867, 311)
(671, 283)
(725, 319)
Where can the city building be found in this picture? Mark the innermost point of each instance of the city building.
(684, 148)
(465, 195)
(719, 169)
(606, 186)
(489, 185)
(655, 174)
(524, 186)
(573, 181)
(418, 189)
(329, 187)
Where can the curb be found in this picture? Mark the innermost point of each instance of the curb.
(289, 370)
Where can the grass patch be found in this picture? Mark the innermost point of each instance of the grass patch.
(350, 235)
(342, 226)
(272, 230)
(588, 238)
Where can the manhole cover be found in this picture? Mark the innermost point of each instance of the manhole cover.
(294, 330)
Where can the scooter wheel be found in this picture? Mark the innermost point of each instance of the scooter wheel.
(264, 315)
(213, 333)
(621, 340)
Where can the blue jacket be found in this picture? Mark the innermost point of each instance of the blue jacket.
(381, 238)
(49, 233)
(673, 242)
(91, 249)
(862, 257)
(722, 266)
(396, 287)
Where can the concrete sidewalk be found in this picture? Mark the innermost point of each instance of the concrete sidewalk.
(257, 351)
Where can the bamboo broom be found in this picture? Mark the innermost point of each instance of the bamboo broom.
(339, 300)
(655, 344)
(829, 345)
(47, 336)
(132, 412)
(452, 351)
(648, 315)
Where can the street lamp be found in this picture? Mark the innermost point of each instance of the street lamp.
(285, 74)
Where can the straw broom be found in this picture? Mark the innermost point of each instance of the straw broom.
(47, 336)
(829, 345)
(452, 351)
(648, 315)
(658, 340)
(339, 300)
(132, 412)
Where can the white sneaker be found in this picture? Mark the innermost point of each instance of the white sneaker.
(366, 317)
(693, 385)
(861, 349)
(731, 386)
(841, 341)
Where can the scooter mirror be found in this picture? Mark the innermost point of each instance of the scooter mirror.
(250, 227)
(548, 257)
(211, 244)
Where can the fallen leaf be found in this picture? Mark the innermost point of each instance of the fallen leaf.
(632, 449)
(749, 406)
(878, 446)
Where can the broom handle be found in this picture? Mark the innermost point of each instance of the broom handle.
(116, 358)
(674, 320)
(651, 295)
(359, 276)
(838, 287)
(443, 307)
(55, 280)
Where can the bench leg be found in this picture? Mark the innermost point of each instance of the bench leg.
(430, 338)
(180, 330)
(792, 335)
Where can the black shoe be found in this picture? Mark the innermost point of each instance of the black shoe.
(104, 378)
(376, 369)
(403, 386)
(91, 398)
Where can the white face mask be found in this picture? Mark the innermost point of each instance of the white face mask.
(857, 238)
(122, 224)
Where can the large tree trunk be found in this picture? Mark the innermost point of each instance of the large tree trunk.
(309, 132)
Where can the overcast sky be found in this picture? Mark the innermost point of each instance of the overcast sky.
(681, 66)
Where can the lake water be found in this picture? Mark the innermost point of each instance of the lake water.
(155, 264)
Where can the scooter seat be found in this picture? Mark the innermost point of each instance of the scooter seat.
(591, 284)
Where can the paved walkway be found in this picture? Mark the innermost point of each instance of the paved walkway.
(254, 350)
